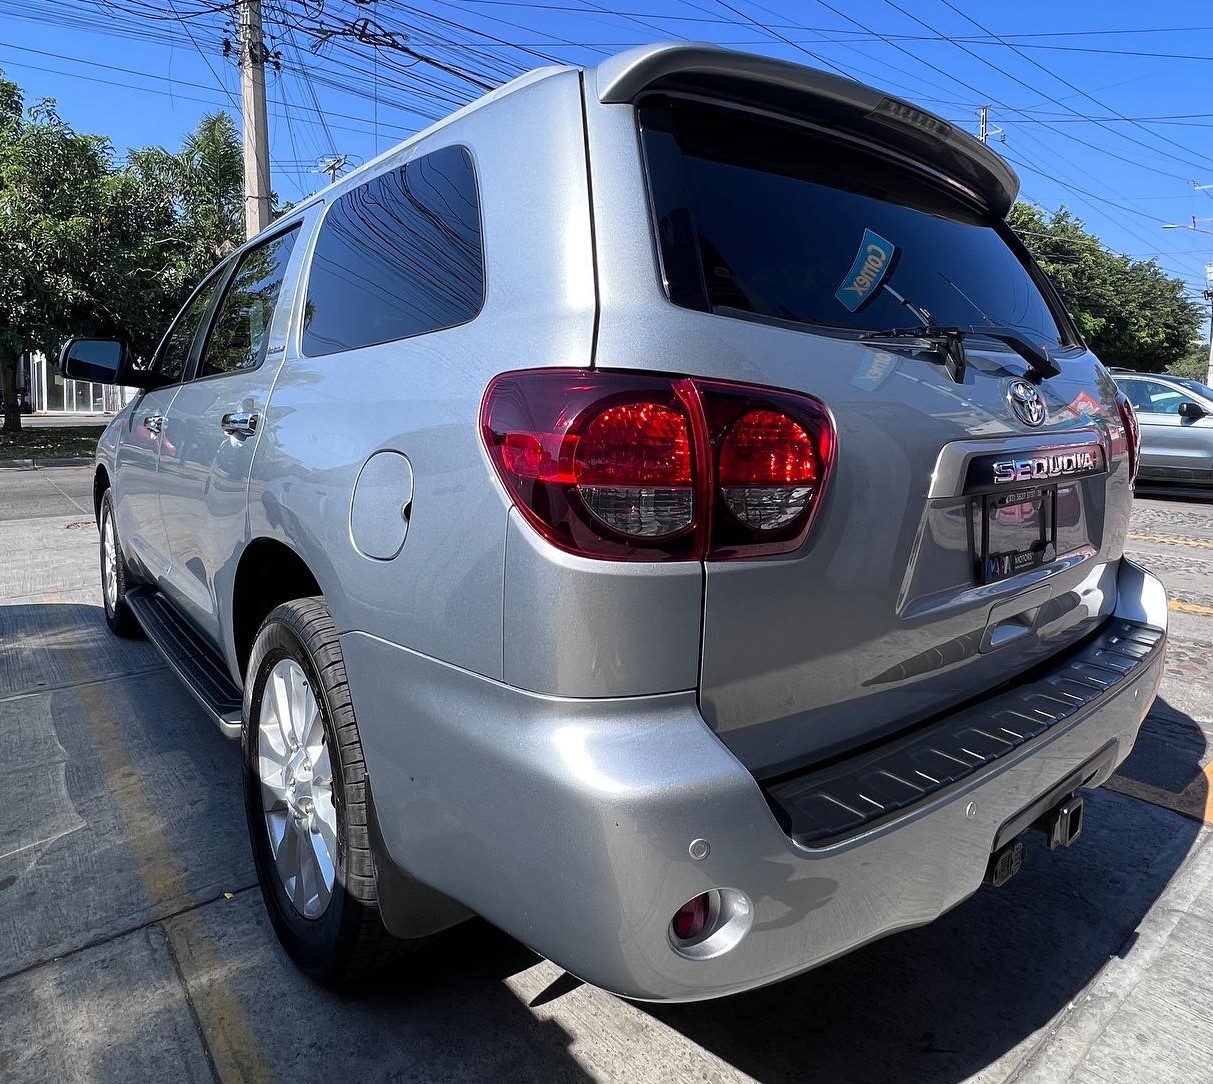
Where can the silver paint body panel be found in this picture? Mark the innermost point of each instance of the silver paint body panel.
(545, 734)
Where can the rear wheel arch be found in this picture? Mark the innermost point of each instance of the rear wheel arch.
(269, 574)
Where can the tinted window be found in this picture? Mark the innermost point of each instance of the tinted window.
(398, 256)
(1196, 386)
(174, 352)
(1153, 397)
(238, 334)
(766, 218)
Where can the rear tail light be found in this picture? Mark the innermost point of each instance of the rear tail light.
(768, 469)
(1132, 433)
(637, 467)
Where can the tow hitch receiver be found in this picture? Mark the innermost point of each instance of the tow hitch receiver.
(1062, 824)
(1005, 863)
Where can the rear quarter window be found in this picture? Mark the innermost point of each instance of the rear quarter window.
(398, 256)
(761, 217)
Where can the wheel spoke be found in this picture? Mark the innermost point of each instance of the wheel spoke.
(311, 730)
(287, 857)
(273, 782)
(277, 824)
(282, 706)
(325, 822)
(322, 768)
(297, 691)
(322, 863)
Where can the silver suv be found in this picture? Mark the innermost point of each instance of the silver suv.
(661, 509)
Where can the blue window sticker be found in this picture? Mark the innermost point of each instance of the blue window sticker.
(872, 263)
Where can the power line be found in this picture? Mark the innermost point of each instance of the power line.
(1058, 77)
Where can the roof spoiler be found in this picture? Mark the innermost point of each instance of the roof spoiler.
(838, 103)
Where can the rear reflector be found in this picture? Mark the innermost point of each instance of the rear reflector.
(635, 467)
(691, 919)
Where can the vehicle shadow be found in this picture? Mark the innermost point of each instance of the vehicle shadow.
(949, 1000)
(942, 1003)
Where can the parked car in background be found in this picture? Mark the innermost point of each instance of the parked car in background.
(1175, 415)
(662, 509)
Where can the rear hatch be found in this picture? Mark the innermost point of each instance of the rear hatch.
(979, 498)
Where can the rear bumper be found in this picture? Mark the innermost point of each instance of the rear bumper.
(570, 823)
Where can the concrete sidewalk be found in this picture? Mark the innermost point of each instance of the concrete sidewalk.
(61, 421)
(1148, 1016)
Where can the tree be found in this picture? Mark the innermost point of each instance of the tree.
(1194, 363)
(53, 190)
(91, 248)
(1131, 313)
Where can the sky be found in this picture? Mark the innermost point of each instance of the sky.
(1103, 107)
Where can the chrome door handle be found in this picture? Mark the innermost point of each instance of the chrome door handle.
(240, 423)
(154, 424)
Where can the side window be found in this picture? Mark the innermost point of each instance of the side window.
(1135, 392)
(398, 256)
(238, 335)
(174, 353)
(1156, 398)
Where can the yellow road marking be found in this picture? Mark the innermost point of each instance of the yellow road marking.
(1171, 540)
(1189, 607)
(235, 1052)
(237, 1055)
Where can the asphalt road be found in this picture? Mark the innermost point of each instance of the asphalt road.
(134, 946)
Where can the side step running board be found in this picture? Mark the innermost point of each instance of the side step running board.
(191, 658)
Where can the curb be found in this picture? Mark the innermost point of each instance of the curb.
(37, 464)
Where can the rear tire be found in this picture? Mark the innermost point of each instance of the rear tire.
(306, 802)
(118, 615)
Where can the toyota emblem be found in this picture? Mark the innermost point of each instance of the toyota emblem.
(1026, 402)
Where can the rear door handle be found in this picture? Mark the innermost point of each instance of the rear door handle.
(240, 423)
(154, 424)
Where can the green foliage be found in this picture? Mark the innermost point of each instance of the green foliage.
(1194, 364)
(1131, 313)
(89, 246)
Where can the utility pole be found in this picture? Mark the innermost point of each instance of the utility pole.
(1209, 298)
(253, 55)
(1195, 227)
(983, 123)
(333, 165)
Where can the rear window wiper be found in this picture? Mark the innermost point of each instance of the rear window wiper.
(949, 340)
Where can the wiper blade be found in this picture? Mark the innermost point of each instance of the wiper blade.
(951, 339)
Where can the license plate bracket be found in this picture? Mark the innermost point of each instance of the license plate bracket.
(1012, 532)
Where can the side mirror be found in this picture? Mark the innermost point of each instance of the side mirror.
(1189, 409)
(102, 361)
(97, 360)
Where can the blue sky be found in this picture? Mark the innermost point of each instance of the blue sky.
(1106, 107)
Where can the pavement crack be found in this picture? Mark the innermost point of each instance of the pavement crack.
(224, 894)
(61, 686)
(59, 489)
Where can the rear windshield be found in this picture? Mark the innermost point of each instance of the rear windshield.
(758, 217)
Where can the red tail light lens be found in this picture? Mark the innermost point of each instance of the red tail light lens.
(633, 467)
(768, 469)
(1132, 433)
